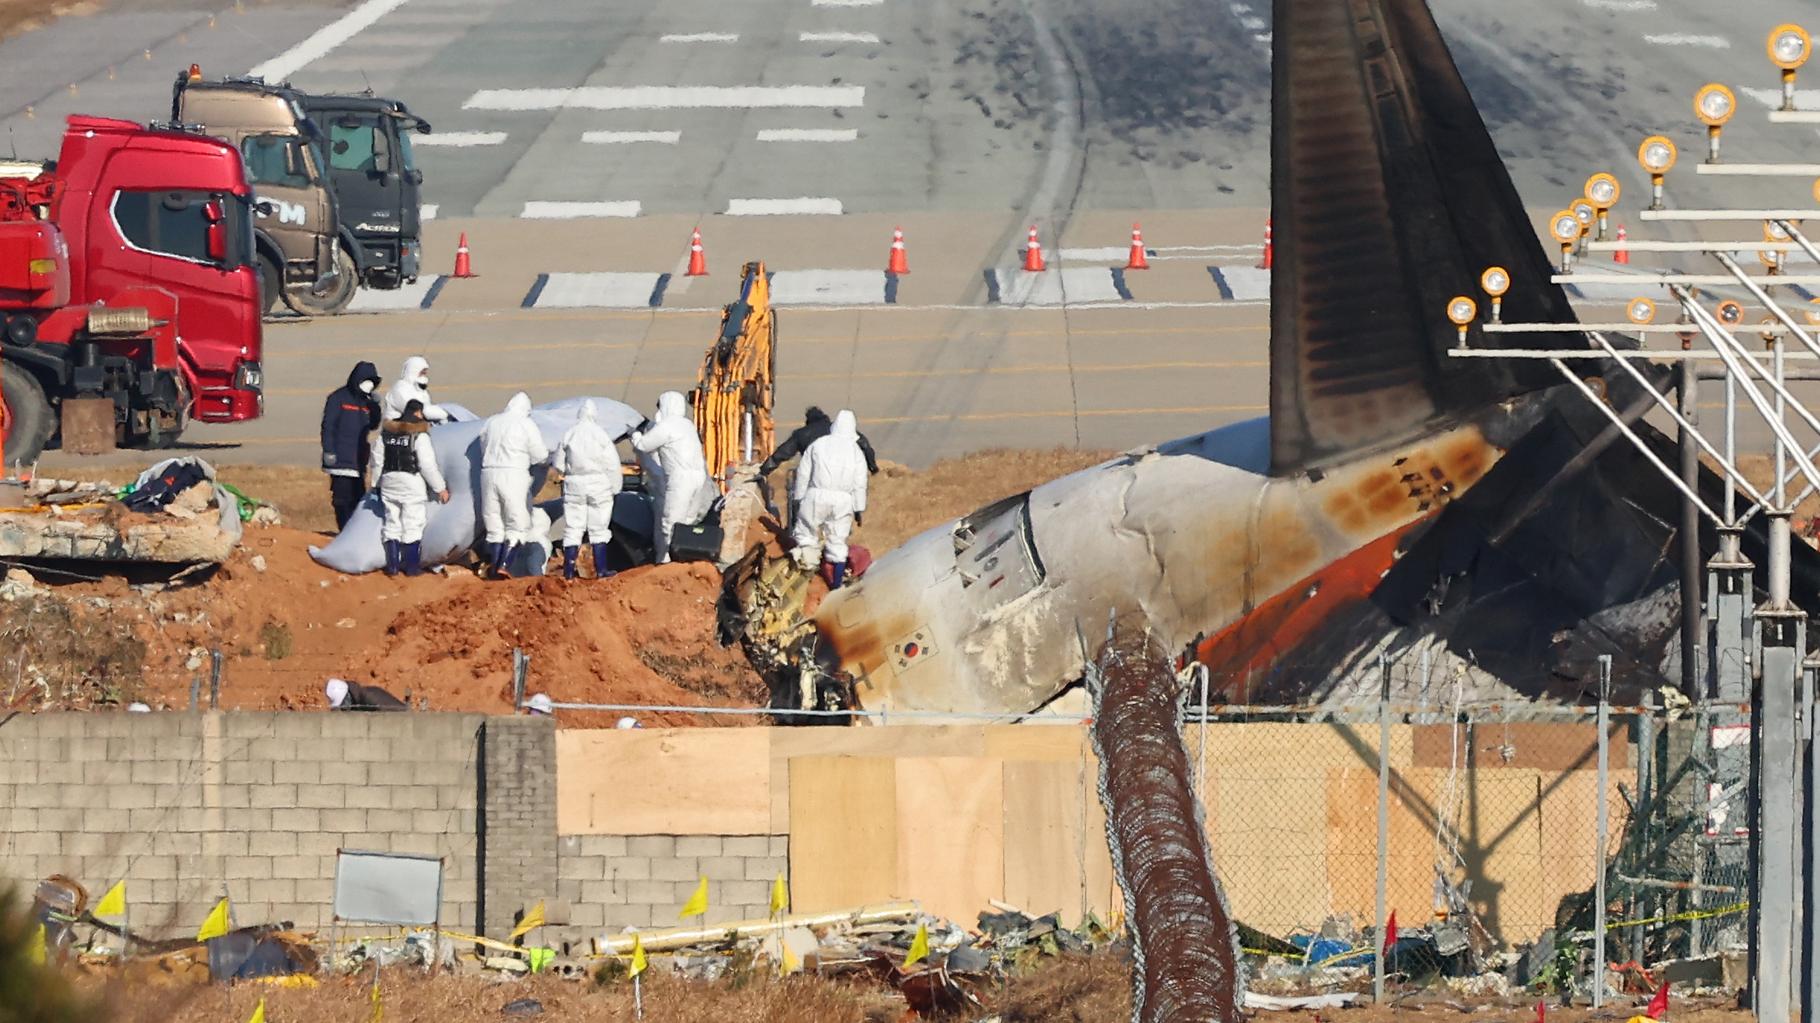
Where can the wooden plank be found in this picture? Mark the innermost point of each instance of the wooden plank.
(883, 741)
(1056, 857)
(950, 834)
(843, 832)
(663, 781)
(1067, 743)
(1541, 745)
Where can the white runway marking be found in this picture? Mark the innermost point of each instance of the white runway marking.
(701, 37)
(1682, 39)
(808, 135)
(1247, 283)
(1805, 99)
(669, 97)
(604, 138)
(846, 3)
(1621, 5)
(837, 37)
(427, 211)
(1253, 24)
(460, 139)
(782, 207)
(326, 39)
(409, 296)
(828, 287)
(1070, 285)
(597, 290)
(542, 210)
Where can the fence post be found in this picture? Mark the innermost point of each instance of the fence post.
(1377, 980)
(1604, 825)
(214, 679)
(521, 667)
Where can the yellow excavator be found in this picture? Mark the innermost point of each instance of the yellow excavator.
(735, 395)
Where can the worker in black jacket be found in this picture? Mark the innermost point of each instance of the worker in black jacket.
(349, 415)
(816, 425)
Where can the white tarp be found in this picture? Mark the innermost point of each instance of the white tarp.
(452, 528)
(387, 888)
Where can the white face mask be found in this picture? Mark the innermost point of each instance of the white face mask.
(366, 387)
(423, 381)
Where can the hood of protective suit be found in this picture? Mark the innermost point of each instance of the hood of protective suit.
(363, 372)
(520, 405)
(586, 414)
(416, 370)
(845, 425)
(670, 405)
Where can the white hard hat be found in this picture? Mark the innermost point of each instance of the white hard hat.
(337, 692)
(628, 723)
(138, 708)
(540, 703)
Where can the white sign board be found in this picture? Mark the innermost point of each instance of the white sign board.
(387, 888)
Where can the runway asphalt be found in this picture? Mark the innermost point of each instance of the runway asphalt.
(963, 121)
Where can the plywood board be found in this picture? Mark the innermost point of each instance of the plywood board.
(884, 741)
(950, 834)
(1543, 746)
(1067, 743)
(668, 781)
(843, 833)
(1056, 857)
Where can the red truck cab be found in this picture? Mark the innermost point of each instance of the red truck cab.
(127, 272)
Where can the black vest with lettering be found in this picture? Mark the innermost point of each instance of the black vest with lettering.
(400, 450)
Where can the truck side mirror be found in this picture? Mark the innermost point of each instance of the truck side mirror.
(217, 230)
(414, 176)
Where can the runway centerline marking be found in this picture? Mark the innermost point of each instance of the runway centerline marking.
(808, 135)
(700, 37)
(1684, 39)
(460, 139)
(604, 138)
(1621, 5)
(548, 210)
(669, 97)
(804, 205)
(326, 39)
(845, 3)
(837, 37)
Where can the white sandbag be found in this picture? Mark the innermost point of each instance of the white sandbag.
(452, 528)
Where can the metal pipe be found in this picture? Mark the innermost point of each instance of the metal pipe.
(1769, 303)
(673, 938)
(1383, 886)
(1636, 442)
(1692, 563)
(1734, 352)
(1603, 831)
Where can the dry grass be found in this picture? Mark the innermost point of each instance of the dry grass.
(902, 503)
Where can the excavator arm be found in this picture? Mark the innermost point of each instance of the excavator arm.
(735, 394)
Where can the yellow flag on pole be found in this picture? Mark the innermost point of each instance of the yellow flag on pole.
(787, 963)
(113, 903)
(215, 924)
(378, 1007)
(638, 956)
(258, 1015)
(698, 903)
(36, 951)
(919, 947)
(531, 921)
(780, 895)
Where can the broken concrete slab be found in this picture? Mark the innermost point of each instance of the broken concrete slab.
(109, 533)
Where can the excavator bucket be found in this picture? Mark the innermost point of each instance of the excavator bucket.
(735, 395)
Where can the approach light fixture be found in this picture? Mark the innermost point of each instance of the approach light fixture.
(1714, 105)
(1461, 309)
(1602, 190)
(1565, 227)
(1495, 281)
(1640, 310)
(1657, 155)
(1730, 313)
(1789, 47)
(1769, 332)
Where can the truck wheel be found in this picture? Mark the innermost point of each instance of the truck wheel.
(305, 304)
(25, 415)
(271, 286)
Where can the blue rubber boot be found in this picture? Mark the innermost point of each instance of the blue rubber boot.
(497, 556)
(569, 556)
(413, 558)
(392, 554)
(840, 574)
(601, 571)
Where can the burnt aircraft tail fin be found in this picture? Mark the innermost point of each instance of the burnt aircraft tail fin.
(1388, 197)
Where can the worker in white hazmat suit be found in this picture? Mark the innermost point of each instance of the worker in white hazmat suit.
(403, 468)
(510, 444)
(413, 384)
(589, 464)
(683, 492)
(830, 496)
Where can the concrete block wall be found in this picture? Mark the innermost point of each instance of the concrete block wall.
(187, 806)
(517, 821)
(610, 882)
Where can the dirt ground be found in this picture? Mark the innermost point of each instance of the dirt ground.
(285, 625)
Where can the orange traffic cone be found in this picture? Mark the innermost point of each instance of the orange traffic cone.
(1269, 247)
(1137, 260)
(698, 261)
(462, 267)
(1033, 253)
(900, 261)
(1621, 254)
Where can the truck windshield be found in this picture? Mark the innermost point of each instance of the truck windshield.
(359, 145)
(276, 160)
